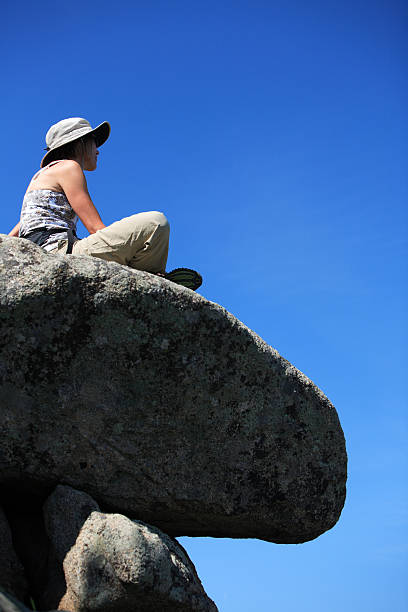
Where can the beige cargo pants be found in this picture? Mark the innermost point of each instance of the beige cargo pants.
(140, 241)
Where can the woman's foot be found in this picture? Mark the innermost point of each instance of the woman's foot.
(183, 276)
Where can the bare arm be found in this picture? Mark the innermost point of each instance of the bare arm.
(73, 182)
(15, 230)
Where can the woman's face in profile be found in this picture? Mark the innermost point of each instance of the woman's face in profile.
(90, 161)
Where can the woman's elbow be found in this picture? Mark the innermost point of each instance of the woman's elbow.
(94, 227)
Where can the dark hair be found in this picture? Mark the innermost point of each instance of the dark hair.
(69, 150)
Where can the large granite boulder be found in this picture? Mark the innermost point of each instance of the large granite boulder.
(119, 564)
(158, 403)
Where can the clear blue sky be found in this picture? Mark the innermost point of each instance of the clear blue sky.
(274, 137)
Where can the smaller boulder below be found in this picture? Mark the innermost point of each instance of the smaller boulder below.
(12, 577)
(65, 511)
(119, 564)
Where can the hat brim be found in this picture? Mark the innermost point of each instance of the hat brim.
(100, 133)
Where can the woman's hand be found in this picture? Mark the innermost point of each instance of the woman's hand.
(73, 182)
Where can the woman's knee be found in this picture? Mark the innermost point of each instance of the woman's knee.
(151, 219)
(160, 220)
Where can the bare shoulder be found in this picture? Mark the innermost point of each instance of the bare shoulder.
(56, 176)
(71, 178)
(71, 175)
(67, 167)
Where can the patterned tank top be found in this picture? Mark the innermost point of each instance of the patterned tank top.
(50, 210)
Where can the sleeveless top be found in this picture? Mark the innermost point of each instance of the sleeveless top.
(45, 209)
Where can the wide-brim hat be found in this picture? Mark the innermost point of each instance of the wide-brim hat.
(69, 130)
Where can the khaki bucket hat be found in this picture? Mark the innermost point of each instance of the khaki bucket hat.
(69, 130)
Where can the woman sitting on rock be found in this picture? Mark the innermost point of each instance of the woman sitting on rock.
(58, 195)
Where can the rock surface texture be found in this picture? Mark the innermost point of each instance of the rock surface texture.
(65, 511)
(158, 403)
(119, 564)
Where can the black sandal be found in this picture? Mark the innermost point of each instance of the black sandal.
(185, 277)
